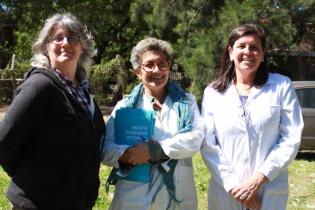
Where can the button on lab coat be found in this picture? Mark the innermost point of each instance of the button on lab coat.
(261, 136)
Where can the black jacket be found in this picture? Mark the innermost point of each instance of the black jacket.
(50, 146)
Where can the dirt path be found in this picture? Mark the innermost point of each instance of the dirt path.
(3, 109)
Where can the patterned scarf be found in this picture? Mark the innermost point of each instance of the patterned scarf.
(184, 123)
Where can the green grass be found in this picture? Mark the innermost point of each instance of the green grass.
(4, 181)
(302, 184)
(301, 178)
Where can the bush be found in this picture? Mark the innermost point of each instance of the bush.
(19, 70)
(7, 87)
(108, 81)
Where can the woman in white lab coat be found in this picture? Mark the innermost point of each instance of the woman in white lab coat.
(178, 135)
(253, 128)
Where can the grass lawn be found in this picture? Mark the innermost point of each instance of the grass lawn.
(301, 178)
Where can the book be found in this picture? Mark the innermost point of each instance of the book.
(133, 126)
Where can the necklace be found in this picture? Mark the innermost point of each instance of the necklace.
(243, 98)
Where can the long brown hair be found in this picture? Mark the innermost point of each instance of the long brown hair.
(226, 72)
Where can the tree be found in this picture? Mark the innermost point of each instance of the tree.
(111, 29)
(6, 37)
(201, 49)
(197, 29)
(106, 75)
(184, 24)
(197, 42)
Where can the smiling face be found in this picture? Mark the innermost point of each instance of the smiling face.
(64, 49)
(247, 54)
(154, 71)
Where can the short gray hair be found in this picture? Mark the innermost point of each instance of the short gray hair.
(147, 44)
(70, 23)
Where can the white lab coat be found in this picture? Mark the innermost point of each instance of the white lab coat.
(134, 195)
(263, 136)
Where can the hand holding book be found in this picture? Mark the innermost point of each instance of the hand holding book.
(137, 154)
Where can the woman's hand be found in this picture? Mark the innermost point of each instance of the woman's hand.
(253, 203)
(124, 159)
(246, 193)
(249, 187)
(135, 155)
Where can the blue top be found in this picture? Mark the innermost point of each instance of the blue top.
(243, 99)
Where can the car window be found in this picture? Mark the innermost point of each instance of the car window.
(306, 97)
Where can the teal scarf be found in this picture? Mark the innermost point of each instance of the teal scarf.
(184, 123)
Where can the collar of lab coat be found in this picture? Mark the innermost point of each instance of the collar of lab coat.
(232, 93)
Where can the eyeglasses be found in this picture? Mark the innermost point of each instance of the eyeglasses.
(72, 39)
(150, 66)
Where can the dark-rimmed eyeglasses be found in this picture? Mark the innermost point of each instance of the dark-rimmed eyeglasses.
(59, 39)
(150, 66)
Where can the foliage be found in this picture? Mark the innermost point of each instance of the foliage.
(109, 24)
(197, 29)
(6, 92)
(196, 43)
(28, 23)
(20, 68)
(104, 76)
(146, 13)
(7, 76)
(198, 61)
(183, 23)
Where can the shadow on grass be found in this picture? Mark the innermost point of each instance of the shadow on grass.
(306, 155)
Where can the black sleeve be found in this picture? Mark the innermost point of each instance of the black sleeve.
(25, 116)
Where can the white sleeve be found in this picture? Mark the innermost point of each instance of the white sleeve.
(111, 152)
(290, 130)
(185, 145)
(221, 169)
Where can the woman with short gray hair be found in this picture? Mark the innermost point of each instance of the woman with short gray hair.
(177, 136)
(147, 44)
